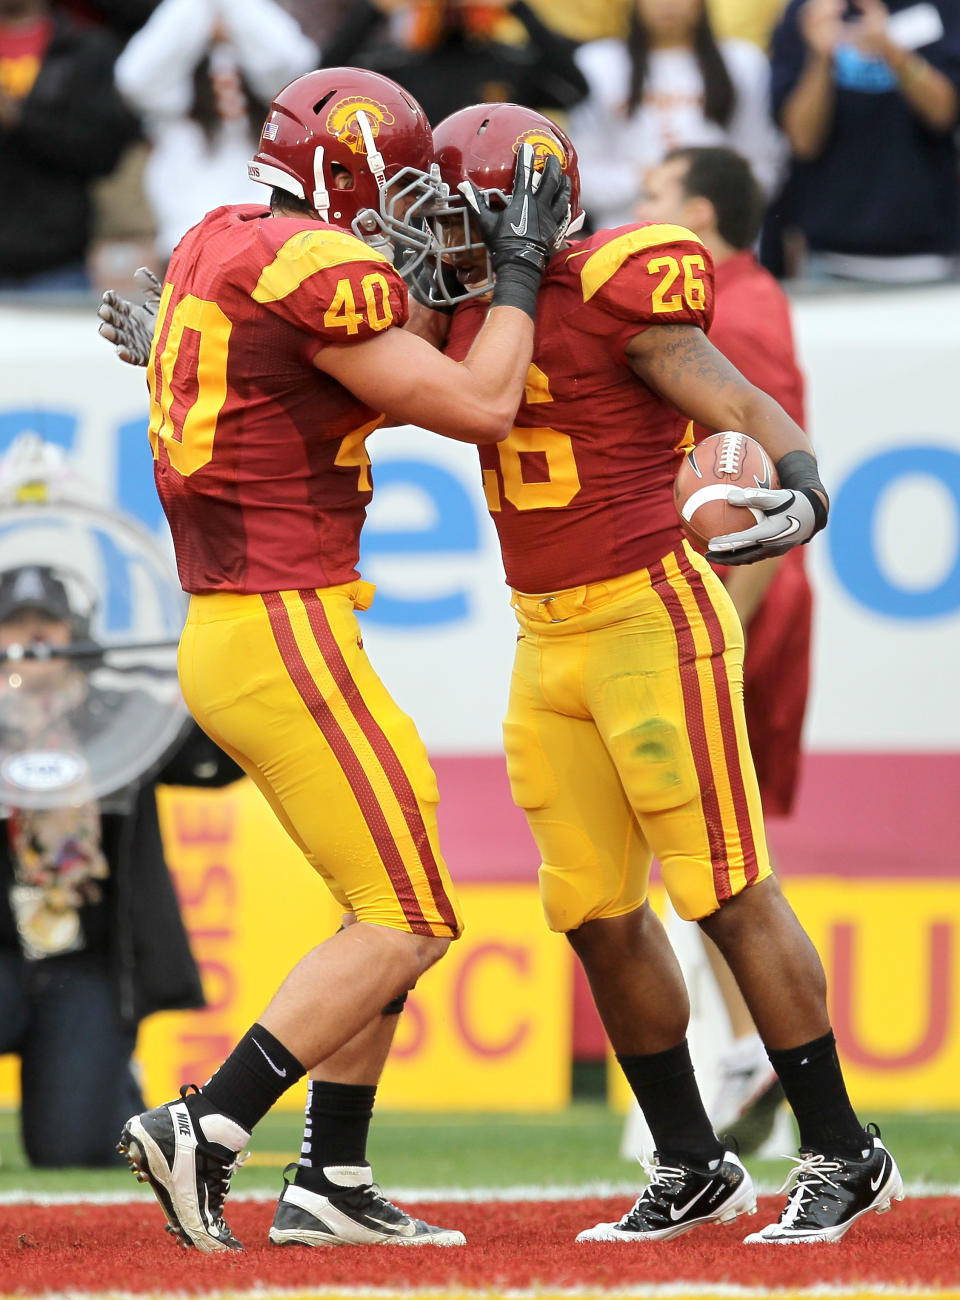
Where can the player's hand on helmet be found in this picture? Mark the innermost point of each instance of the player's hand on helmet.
(536, 217)
(129, 325)
(789, 519)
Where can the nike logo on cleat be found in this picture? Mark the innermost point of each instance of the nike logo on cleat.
(678, 1212)
(183, 1125)
(282, 1073)
(879, 1179)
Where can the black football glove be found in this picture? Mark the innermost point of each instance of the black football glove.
(522, 236)
(129, 325)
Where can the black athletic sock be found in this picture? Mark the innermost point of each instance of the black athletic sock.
(666, 1090)
(813, 1081)
(336, 1124)
(257, 1072)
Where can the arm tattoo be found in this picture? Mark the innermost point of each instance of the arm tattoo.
(681, 354)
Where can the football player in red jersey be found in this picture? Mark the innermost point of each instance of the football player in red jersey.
(713, 192)
(625, 733)
(275, 351)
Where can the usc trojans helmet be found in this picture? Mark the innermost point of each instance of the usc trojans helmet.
(358, 149)
(481, 144)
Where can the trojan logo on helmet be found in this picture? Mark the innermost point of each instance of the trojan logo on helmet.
(344, 122)
(480, 144)
(358, 149)
(543, 143)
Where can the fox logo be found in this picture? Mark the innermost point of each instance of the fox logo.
(342, 121)
(543, 143)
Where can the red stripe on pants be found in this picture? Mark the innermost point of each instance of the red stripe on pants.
(728, 730)
(350, 764)
(696, 728)
(387, 755)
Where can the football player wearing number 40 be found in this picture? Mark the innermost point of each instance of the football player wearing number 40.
(625, 733)
(275, 348)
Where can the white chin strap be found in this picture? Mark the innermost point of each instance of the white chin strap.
(374, 157)
(321, 195)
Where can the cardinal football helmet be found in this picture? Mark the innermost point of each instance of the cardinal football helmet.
(481, 144)
(358, 149)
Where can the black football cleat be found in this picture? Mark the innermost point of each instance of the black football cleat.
(827, 1194)
(680, 1197)
(183, 1149)
(351, 1210)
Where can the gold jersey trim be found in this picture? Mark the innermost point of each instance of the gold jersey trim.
(306, 253)
(603, 264)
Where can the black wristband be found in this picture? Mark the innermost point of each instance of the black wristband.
(518, 252)
(517, 285)
(798, 472)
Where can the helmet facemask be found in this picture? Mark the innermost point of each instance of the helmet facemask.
(400, 228)
(458, 267)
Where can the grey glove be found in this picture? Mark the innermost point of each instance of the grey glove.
(129, 325)
(789, 520)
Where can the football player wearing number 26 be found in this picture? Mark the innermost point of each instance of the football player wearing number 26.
(275, 352)
(625, 734)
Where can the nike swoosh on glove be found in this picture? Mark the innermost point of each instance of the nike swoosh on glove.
(788, 520)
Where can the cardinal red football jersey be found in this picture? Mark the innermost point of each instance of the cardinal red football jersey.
(260, 458)
(582, 488)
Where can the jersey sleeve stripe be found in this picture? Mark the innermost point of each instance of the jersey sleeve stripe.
(306, 253)
(696, 728)
(386, 755)
(348, 760)
(728, 731)
(602, 265)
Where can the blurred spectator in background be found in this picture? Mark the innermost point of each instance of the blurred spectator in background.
(202, 73)
(712, 192)
(745, 20)
(670, 83)
(450, 56)
(91, 939)
(122, 16)
(585, 22)
(318, 19)
(61, 125)
(868, 97)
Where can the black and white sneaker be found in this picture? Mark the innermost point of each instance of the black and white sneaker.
(350, 1211)
(187, 1152)
(827, 1194)
(680, 1197)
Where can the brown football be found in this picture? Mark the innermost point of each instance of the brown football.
(723, 460)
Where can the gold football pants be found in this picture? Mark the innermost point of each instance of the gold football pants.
(282, 683)
(625, 739)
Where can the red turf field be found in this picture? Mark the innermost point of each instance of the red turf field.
(83, 1248)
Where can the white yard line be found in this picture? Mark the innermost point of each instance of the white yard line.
(419, 1195)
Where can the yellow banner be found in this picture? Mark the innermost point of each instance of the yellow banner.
(487, 1028)
(891, 950)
